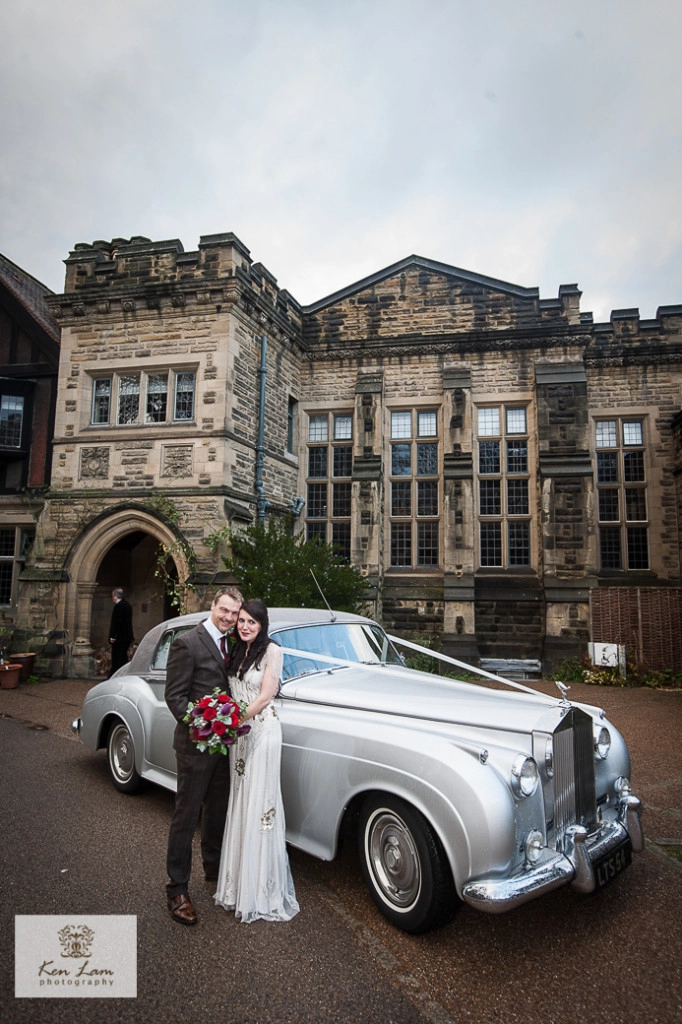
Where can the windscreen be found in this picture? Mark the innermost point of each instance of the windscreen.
(331, 645)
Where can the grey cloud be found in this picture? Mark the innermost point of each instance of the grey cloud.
(337, 138)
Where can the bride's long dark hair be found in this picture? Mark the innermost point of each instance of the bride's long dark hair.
(257, 610)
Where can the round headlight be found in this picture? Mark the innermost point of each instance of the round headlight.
(524, 776)
(533, 846)
(602, 743)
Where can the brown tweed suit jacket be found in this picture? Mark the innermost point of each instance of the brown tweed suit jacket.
(195, 667)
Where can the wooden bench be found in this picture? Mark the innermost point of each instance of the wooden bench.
(518, 669)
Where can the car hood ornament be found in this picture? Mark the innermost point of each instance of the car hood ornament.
(563, 690)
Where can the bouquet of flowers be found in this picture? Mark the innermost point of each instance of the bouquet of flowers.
(214, 722)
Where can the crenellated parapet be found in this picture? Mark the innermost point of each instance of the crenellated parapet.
(628, 340)
(139, 278)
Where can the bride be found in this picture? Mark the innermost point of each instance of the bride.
(254, 878)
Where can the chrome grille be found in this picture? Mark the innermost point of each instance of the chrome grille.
(575, 798)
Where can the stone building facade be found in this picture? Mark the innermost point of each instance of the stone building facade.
(504, 471)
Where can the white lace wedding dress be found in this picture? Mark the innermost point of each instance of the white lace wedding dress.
(255, 878)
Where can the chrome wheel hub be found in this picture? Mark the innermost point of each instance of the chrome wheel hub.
(394, 859)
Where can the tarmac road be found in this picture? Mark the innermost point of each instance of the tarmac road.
(72, 844)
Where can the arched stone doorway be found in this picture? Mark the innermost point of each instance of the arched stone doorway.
(119, 549)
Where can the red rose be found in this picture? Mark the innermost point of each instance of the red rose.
(209, 713)
(204, 702)
(219, 728)
(223, 698)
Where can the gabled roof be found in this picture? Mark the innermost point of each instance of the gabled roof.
(30, 294)
(431, 265)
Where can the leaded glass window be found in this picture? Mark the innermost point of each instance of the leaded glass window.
(157, 397)
(101, 400)
(330, 466)
(128, 399)
(504, 486)
(620, 458)
(415, 489)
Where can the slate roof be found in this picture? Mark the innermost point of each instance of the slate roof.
(31, 294)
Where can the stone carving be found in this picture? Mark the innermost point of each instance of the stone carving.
(94, 463)
(177, 461)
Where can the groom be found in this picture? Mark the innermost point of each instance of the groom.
(198, 662)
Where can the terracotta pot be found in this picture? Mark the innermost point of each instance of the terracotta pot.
(27, 662)
(9, 676)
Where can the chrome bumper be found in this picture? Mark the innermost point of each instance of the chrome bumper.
(77, 725)
(575, 866)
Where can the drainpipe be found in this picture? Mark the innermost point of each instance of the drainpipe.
(261, 503)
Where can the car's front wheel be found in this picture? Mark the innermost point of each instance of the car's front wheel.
(404, 865)
(121, 758)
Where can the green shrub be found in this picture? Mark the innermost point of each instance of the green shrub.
(656, 678)
(570, 670)
(271, 564)
(573, 670)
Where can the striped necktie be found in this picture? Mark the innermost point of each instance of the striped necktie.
(224, 651)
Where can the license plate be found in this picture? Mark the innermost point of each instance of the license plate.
(611, 864)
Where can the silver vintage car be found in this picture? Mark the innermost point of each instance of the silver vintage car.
(456, 791)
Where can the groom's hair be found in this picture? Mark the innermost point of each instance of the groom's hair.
(228, 592)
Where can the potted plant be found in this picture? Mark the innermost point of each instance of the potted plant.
(26, 661)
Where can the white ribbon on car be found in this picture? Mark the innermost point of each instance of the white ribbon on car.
(380, 665)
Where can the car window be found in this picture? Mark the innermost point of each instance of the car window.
(333, 644)
(160, 659)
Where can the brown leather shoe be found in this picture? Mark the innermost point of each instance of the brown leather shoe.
(181, 909)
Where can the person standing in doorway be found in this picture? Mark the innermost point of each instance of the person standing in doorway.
(198, 662)
(120, 630)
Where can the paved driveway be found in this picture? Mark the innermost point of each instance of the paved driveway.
(614, 958)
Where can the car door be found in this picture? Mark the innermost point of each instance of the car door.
(161, 724)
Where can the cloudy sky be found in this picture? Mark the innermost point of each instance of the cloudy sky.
(535, 141)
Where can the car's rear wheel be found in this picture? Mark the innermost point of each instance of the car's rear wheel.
(404, 865)
(121, 757)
